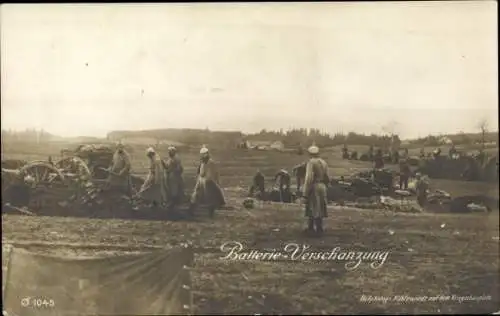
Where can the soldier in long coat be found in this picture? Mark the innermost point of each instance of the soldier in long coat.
(422, 188)
(119, 172)
(315, 191)
(207, 190)
(283, 181)
(174, 181)
(422, 153)
(154, 188)
(259, 185)
(299, 171)
(378, 160)
(345, 152)
(371, 153)
(404, 174)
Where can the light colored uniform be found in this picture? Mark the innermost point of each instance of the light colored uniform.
(315, 188)
(207, 189)
(175, 183)
(154, 187)
(119, 176)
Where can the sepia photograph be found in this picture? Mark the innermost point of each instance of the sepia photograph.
(293, 158)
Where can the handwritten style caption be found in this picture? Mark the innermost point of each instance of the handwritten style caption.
(236, 251)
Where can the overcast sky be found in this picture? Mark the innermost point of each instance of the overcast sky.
(88, 69)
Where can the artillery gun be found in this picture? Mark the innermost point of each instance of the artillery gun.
(22, 186)
(87, 161)
(90, 162)
(77, 179)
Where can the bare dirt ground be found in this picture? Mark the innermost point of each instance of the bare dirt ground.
(430, 254)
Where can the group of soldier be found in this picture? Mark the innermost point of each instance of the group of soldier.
(422, 183)
(282, 181)
(314, 175)
(164, 184)
(378, 156)
(314, 192)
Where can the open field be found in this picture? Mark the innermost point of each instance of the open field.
(430, 254)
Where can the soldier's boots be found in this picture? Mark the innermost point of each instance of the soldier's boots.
(172, 205)
(310, 226)
(211, 212)
(319, 225)
(191, 209)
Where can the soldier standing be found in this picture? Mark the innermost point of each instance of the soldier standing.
(207, 190)
(315, 191)
(119, 172)
(174, 181)
(282, 179)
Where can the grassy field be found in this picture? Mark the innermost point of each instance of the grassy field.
(429, 254)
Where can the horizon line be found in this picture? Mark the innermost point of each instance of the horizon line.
(247, 133)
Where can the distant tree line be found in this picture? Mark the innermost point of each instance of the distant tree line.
(27, 135)
(192, 137)
(305, 137)
(292, 138)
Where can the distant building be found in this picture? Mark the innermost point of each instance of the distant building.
(405, 143)
(266, 145)
(148, 141)
(445, 140)
(259, 144)
(278, 145)
(245, 144)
